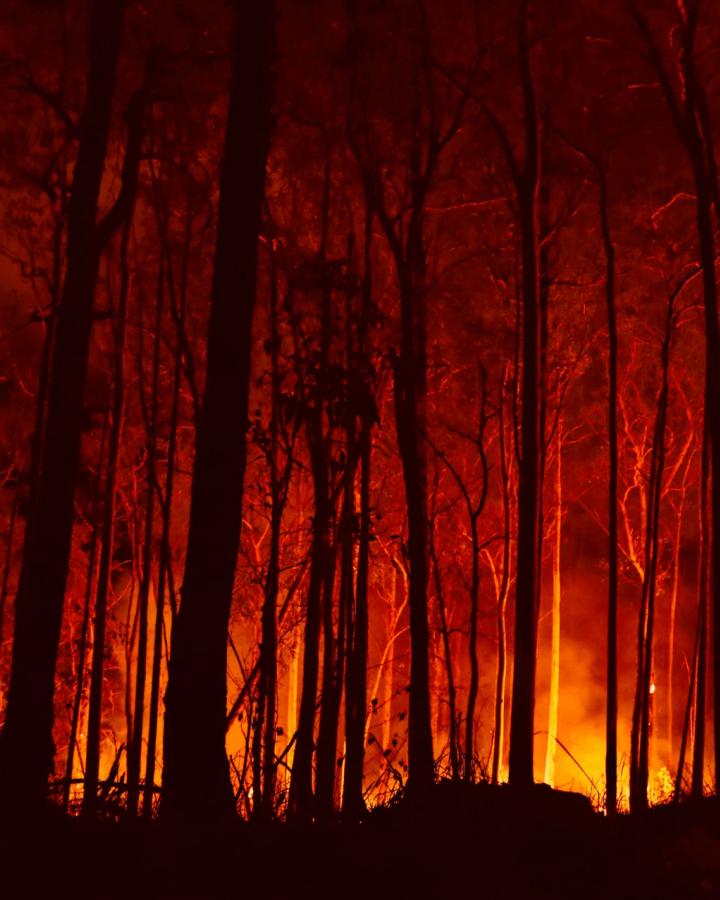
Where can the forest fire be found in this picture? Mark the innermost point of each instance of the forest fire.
(360, 386)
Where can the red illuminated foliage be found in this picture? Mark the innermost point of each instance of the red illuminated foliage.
(359, 386)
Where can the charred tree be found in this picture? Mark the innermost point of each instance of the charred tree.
(690, 117)
(640, 737)
(699, 683)
(280, 435)
(194, 735)
(502, 595)
(95, 702)
(455, 750)
(362, 405)
(317, 389)
(26, 743)
(474, 508)
(84, 633)
(328, 401)
(527, 181)
(406, 238)
(554, 694)
(150, 418)
(165, 562)
(612, 675)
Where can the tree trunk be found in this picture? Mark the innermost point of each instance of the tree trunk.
(353, 804)
(150, 416)
(264, 765)
(301, 788)
(165, 553)
(92, 760)
(332, 676)
(684, 738)
(554, 695)
(26, 743)
(499, 719)
(356, 705)
(672, 616)
(472, 650)
(611, 683)
(194, 738)
(700, 686)
(447, 653)
(690, 116)
(528, 557)
(640, 733)
(84, 630)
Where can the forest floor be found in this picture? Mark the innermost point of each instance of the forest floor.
(461, 841)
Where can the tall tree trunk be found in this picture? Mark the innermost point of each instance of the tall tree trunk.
(332, 674)
(410, 397)
(554, 694)
(469, 769)
(26, 743)
(165, 569)
(319, 615)
(301, 787)
(690, 115)
(499, 718)
(194, 737)
(640, 732)
(264, 763)
(95, 702)
(684, 738)
(356, 705)
(84, 632)
(447, 653)
(528, 556)
(712, 417)
(150, 415)
(410, 394)
(672, 615)
(612, 677)
(49, 342)
(700, 686)
(388, 662)
(292, 703)
(264, 770)
(353, 804)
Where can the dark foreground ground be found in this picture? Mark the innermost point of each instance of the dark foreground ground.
(458, 843)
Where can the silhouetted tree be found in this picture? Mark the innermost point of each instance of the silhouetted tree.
(196, 780)
(26, 744)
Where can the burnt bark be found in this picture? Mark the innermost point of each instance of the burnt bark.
(194, 737)
(699, 687)
(26, 743)
(321, 560)
(530, 474)
(150, 416)
(612, 676)
(165, 563)
(689, 113)
(500, 676)
(640, 736)
(95, 702)
(353, 802)
(455, 751)
(84, 633)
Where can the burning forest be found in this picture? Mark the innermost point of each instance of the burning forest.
(360, 391)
